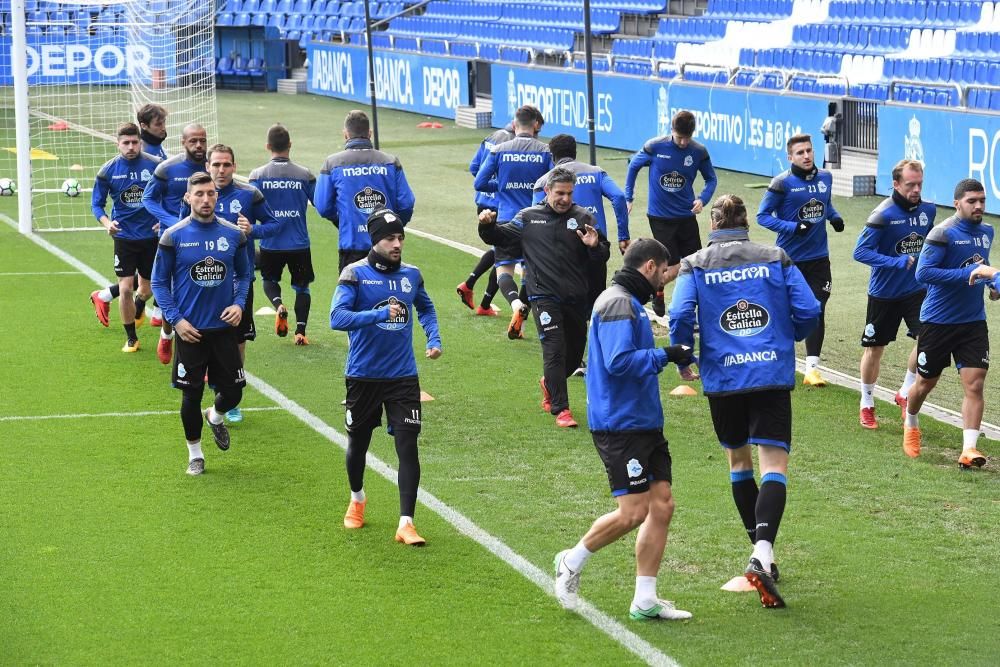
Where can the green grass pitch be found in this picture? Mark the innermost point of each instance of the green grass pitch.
(109, 554)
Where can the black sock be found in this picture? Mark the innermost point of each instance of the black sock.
(745, 496)
(522, 293)
(228, 398)
(130, 332)
(770, 506)
(357, 448)
(140, 306)
(303, 300)
(814, 341)
(507, 286)
(491, 290)
(191, 412)
(484, 264)
(409, 471)
(272, 291)
(115, 291)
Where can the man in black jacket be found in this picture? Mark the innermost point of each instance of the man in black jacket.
(559, 241)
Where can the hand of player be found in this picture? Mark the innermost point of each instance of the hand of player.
(994, 295)
(696, 209)
(981, 273)
(187, 332)
(433, 352)
(623, 245)
(244, 224)
(156, 228)
(232, 315)
(837, 224)
(487, 217)
(682, 355)
(687, 374)
(802, 228)
(395, 310)
(910, 261)
(113, 227)
(590, 237)
(628, 207)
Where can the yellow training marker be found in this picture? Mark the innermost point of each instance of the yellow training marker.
(424, 396)
(36, 153)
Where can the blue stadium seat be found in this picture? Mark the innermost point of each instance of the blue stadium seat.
(993, 77)
(224, 19)
(941, 98)
(995, 100)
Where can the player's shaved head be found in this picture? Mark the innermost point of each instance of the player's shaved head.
(192, 129)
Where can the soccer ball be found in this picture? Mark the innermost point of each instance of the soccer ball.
(7, 187)
(71, 187)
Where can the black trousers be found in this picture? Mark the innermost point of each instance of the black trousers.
(562, 330)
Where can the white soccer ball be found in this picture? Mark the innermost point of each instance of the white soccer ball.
(7, 187)
(71, 187)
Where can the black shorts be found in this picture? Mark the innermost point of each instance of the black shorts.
(217, 352)
(132, 256)
(753, 418)
(246, 329)
(400, 396)
(884, 316)
(505, 255)
(818, 277)
(349, 257)
(633, 459)
(968, 344)
(680, 235)
(299, 263)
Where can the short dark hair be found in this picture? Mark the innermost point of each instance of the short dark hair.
(128, 130)
(641, 251)
(897, 171)
(683, 123)
(198, 178)
(539, 118)
(560, 175)
(357, 124)
(221, 148)
(278, 138)
(729, 212)
(797, 139)
(967, 185)
(147, 113)
(526, 116)
(562, 146)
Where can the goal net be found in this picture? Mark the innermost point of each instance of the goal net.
(90, 66)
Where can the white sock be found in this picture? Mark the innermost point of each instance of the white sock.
(358, 496)
(764, 552)
(517, 304)
(577, 557)
(645, 592)
(213, 416)
(911, 420)
(867, 399)
(105, 295)
(811, 363)
(167, 336)
(194, 451)
(908, 381)
(403, 520)
(156, 312)
(969, 438)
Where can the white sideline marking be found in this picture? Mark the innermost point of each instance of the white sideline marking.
(609, 626)
(40, 273)
(112, 415)
(464, 247)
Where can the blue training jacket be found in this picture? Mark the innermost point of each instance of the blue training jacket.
(380, 348)
(592, 185)
(672, 171)
(793, 198)
(949, 256)
(751, 305)
(488, 199)
(125, 181)
(510, 170)
(622, 366)
(357, 181)
(164, 193)
(200, 270)
(894, 233)
(288, 189)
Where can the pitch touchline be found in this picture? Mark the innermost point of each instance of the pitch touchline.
(112, 415)
(609, 626)
(40, 273)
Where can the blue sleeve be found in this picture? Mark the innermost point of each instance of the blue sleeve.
(162, 281)
(639, 160)
(477, 159)
(866, 251)
(99, 197)
(427, 317)
(765, 214)
(612, 192)
(267, 225)
(622, 358)
(244, 276)
(485, 181)
(405, 199)
(344, 318)
(711, 181)
(156, 188)
(929, 269)
(683, 308)
(804, 306)
(311, 191)
(325, 198)
(537, 196)
(832, 212)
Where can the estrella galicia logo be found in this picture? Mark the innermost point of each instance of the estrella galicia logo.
(975, 259)
(571, 224)
(812, 210)
(545, 318)
(132, 196)
(634, 468)
(209, 272)
(744, 319)
(394, 323)
(406, 285)
(222, 244)
(369, 199)
(672, 182)
(235, 206)
(910, 244)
